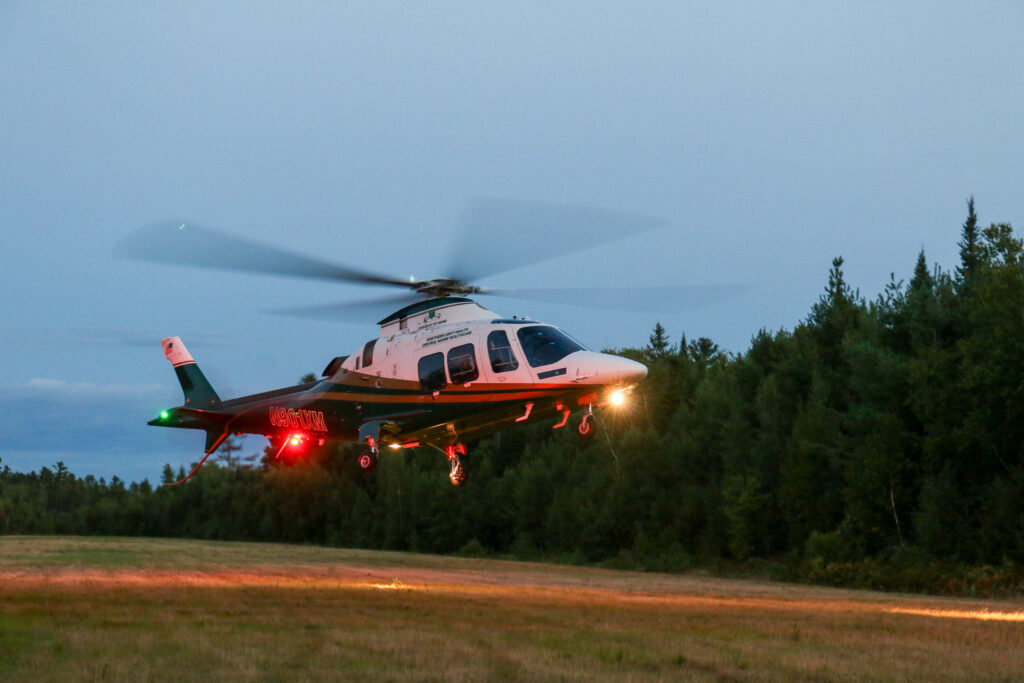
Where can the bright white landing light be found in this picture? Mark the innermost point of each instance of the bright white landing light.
(617, 398)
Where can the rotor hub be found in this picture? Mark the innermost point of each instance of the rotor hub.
(442, 287)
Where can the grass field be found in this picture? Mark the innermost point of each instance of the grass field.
(146, 609)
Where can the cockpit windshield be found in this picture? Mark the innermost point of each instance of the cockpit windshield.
(544, 345)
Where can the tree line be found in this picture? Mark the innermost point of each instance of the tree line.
(878, 443)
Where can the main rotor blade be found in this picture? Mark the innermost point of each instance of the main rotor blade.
(498, 235)
(33, 336)
(380, 307)
(653, 299)
(185, 243)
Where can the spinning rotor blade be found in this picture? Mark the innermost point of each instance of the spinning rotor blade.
(33, 336)
(654, 299)
(368, 307)
(185, 243)
(498, 235)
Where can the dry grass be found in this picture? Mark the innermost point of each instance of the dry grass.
(142, 609)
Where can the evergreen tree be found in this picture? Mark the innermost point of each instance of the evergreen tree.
(836, 310)
(703, 351)
(922, 281)
(922, 317)
(969, 246)
(658, 345)
(225, 455)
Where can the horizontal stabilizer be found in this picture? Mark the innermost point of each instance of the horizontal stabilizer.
(190, 418)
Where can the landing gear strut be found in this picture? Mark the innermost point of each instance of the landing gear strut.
(458, 473)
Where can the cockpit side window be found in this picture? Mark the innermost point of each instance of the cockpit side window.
(500, 352)
(462, 364)
(431, 369)
(368, 353)
(544, 345)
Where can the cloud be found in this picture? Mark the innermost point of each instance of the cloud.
(75, 391)
(97, 429)
(52, 414)
(91, 425)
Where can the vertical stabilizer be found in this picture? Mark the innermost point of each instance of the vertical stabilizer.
(198, 392)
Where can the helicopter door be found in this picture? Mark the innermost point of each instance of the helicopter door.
(503, 363)
(500, 354)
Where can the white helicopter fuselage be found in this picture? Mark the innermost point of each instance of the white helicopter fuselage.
(457, 342)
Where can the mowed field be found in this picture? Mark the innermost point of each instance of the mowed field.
(147, 609)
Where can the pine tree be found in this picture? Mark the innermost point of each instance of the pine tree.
(838, 302)
(921, 311)
(225, 454)
(703, 351)
(659, 344)
(922, 280)
(836, 313)
(969, 246)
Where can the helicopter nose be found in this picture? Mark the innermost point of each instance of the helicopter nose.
(604, 368)
(627, 371)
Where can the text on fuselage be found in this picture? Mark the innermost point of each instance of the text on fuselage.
(297, 419)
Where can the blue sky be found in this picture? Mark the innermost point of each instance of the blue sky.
(770, 136)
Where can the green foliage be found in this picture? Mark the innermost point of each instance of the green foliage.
(872, 438)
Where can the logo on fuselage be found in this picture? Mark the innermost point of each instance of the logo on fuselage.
(297, 419)
(432, 318)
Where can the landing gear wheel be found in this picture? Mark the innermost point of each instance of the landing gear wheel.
(587, 427)
(367, 461)
(458, 473)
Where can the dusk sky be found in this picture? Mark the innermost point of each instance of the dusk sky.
(771, 137)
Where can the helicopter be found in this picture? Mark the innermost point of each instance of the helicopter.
(443, 370)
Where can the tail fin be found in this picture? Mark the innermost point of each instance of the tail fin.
(198, 392)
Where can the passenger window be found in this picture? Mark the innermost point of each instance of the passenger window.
(500, 352)
(462, 364)
(368, 353)
(431, 369)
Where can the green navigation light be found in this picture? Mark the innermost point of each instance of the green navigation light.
(164, 415)
(181, 227)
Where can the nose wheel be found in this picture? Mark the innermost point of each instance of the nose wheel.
(458, 473)
(367, 459)
(587, 427)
